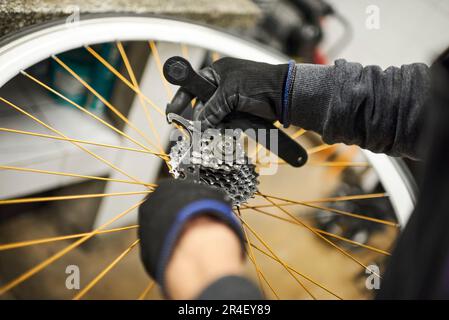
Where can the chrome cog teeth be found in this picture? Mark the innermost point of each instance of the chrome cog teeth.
(236, 177)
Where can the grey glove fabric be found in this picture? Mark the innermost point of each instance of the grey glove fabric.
(231, 288)
(379, 110)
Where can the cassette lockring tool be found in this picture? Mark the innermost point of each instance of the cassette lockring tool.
(215, 156)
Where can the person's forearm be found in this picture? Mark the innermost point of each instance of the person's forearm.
(380, 110)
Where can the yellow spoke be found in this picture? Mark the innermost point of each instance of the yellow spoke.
(323, 238)
(27, 243)
(354, 242)
(341, 212)
(124, 80)
(101, 275)
(168, 89)
(23, 277)
(274, 254)
(252, 258)
(320, 148)
(327, 233)
(64, 136)
(330, 199)
(157, 59)
(350, 197)
(185, 51)
(215, 56)
(298, 133)
(253, 261)
(74, 175)
(71, 197)
(297, 272)
(135, 83)
(147, 290)
(256, 152)
(249, 207)
(84, 110)
(332, 164)
(102, 99)
(42, 135)
(338, 164)
(131, 86)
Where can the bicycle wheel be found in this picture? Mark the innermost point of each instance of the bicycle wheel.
(129, 154)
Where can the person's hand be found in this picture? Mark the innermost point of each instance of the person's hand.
(242, 86)
(207, 250)
(189, 237)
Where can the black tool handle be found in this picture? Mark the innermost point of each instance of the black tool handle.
(179, 71)
(287, 149)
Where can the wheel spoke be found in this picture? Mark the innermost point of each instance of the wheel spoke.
(253, 259)
(350, 197)
(103, 100)
(64, 136)
(98, 144)
(71, 197)
(147, 290)
(320, 148)
(142, 103)
(105, 271)
(386, 253)
(74, 175)
(330, 199)
(325, 233)
(28, 243)
(298, 133)
(124, 80)
(157, 59)
(323, 238)
(23, 277)
(274, 254)
(341, 212)
(168, 89)
(342, 164)
(338, 164)
(185, 51)
(297, 272)
(215, 56)
(84, 110)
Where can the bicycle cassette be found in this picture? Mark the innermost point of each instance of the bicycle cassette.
(213, 158)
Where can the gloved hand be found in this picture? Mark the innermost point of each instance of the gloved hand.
(167, 210)
(243, 86)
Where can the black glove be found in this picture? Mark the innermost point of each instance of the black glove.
(165, 212)
(243, 86)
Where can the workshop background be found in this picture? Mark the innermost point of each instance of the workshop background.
(409, 31)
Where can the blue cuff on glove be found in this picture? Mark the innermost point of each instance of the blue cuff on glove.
(286, 98)
(215, 208)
